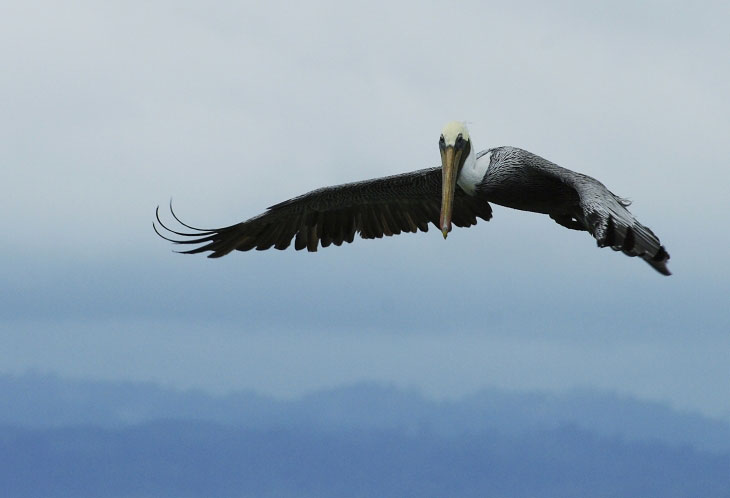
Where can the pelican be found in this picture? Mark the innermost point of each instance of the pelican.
(457, 193)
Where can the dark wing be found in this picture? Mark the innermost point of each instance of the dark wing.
(519, 179)
(606, 218)
(332, 215)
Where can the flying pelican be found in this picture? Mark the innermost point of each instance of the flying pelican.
(458, 192)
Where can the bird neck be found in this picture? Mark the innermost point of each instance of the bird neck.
(471, 174)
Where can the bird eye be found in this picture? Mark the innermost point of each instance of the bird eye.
(442, 142)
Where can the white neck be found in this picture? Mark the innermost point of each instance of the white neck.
(473, 171)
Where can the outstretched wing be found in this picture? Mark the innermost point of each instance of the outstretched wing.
(333, 215)
(519, 179)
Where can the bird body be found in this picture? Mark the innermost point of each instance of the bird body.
(520, 180)
(460, 191)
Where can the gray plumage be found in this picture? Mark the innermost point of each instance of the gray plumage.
(521, 180)
(388, 206)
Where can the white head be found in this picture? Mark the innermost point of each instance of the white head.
(452, 130)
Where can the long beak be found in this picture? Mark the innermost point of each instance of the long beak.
(449, 161)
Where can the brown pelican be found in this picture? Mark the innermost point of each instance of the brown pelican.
(458, 192)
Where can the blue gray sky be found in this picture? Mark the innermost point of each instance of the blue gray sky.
(111, 108)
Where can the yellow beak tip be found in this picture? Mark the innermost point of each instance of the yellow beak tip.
(445, 232)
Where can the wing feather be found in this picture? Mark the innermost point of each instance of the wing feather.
(333, 215)
(612, 225)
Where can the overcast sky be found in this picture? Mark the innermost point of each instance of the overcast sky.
(111, 108)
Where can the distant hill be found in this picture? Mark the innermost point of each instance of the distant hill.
(200, 459)
(75, 439)
(39, 401)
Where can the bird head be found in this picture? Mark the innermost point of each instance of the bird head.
(455, 146)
